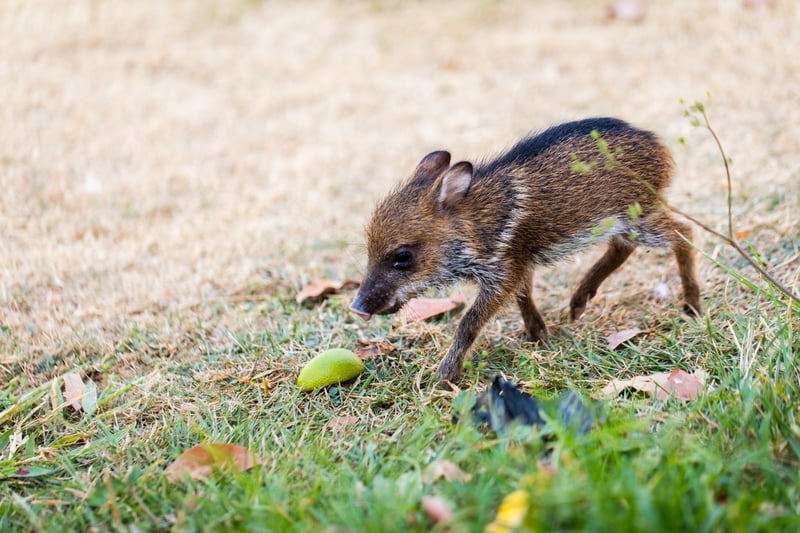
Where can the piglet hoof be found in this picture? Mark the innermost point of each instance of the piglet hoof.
(576, 311)
(447, 379)
(692, 310)
(537, 334)
(446, 385)
(577, 305)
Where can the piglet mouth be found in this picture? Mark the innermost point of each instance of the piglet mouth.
(358, 308)
(365, 316)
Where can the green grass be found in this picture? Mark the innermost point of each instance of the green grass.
(729, 460)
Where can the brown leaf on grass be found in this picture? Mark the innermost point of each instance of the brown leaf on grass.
(370, 349)
(424, 308)
(445, 469)
(639, 383)
(338, 423)
(615, 339)
(684, 386)
(74, 389)
(436, 509)
(661, 385)
(320, 288)
(204, 459)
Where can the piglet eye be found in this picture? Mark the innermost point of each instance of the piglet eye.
(403, 258)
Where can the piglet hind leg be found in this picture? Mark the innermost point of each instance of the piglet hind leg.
(535, 329)
(680, 235)
(617, 252)
(661, 229)
(485, 306)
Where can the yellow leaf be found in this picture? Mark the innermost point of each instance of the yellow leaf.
(511, 512)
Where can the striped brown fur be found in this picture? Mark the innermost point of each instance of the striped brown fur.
(550, 196)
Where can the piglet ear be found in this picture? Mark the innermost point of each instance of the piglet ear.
(455, 184)
(431, 166)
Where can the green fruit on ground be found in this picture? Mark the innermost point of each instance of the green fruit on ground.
(330, 368)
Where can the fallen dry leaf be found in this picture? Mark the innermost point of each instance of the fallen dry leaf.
(615, 339)
(436, 509)
(445, 469)
(318, 289)
(74, 389)
(204, 459)
(684, 386)
(662, 385)
(424, 308)
(640, 383)
(338, 423)
(370, 349)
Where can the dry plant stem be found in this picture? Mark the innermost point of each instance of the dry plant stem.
(112, 498)
(731, 237)
(738, 247)
(713, 133)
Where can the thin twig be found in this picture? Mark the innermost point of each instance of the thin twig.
(702, 110)
(731, 237)
(738, 247)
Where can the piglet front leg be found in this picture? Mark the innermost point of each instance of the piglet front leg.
(485, 306)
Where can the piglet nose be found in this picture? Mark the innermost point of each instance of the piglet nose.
(358, 308)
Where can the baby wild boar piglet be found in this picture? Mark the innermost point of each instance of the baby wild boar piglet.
(550, 196)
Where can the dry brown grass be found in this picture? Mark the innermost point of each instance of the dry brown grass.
(158, 160)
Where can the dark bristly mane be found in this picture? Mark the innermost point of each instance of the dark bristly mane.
(537, 143)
